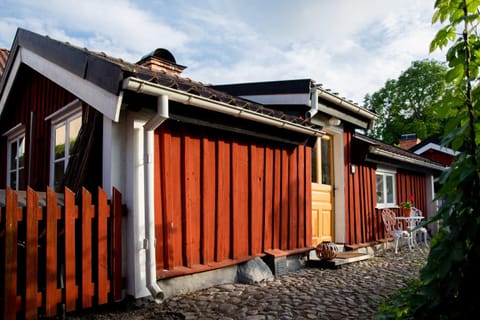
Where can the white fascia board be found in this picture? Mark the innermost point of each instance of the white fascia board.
(342, 116)
(280, 99)
(106, 103)
(436, 147)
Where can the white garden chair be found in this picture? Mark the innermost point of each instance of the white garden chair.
(393, 228)
(415, 229)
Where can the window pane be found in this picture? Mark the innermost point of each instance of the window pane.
(314, 163)
(389, 189)
(21, 152)
(60, 142)
(380, 196)
(326, 163)
(75, 125)
(58, 176)
(21, 179)
(13, 155)
(13, 180)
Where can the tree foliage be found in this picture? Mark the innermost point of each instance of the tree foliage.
(409, 103)
(448, 285)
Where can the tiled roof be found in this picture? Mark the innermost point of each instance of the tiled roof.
(197, 88)
(395, 150)
(3, 59)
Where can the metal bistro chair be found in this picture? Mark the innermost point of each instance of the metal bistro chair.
(415, 226)
(394, 229)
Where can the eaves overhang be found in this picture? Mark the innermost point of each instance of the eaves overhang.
(92, 79)
(375, 150)
(186, 98)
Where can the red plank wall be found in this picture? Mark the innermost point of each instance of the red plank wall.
(221, 197)
(363, 221)
(32, 93)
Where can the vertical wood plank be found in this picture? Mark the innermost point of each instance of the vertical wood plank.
(308, 196)
(103, 213)
(277, 198)
(52, 293)
(31, 272)
(87, 215)
(71, 214)
(268, 200)
(293, 199)
(11, 263)
(158, 191)
(256, 161)
(191, 199)
(301, 196)
(284, 236)
(223, 191)
(208, 186)
(117, 209)
(240, 238)
(171, 156)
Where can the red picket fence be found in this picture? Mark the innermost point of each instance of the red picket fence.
(59, 258)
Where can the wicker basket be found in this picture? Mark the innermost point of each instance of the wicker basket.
(326, 250)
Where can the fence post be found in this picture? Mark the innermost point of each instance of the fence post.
(52, 293)
(103, 212)
(87, 215)
(11, 237)
(117, 209)
(71, 214)
(31, 259)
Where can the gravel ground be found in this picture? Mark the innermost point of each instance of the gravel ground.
(353, 291)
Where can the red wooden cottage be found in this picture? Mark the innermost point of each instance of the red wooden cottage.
(209, 179)
(353, 176)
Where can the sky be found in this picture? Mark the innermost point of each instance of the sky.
(349, 46)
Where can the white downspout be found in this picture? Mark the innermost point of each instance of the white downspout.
(313, 103)
(149, 128)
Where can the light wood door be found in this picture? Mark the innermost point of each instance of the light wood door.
(322, 191)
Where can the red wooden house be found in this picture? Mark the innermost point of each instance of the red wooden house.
(353, 176)
(209, 179)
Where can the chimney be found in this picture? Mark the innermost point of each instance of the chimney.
(409, 140)
(161, 60)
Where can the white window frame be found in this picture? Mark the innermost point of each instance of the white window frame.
(13, 136)
(62, 117)
(387, 172)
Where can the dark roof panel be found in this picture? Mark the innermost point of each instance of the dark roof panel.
(269, 87)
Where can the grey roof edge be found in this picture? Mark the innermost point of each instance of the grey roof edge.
(398, 153)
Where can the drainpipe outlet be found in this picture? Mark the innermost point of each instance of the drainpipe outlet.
(157, 293)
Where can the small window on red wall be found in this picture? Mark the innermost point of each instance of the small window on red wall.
(16, 158)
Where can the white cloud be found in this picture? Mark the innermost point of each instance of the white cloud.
(350, 46)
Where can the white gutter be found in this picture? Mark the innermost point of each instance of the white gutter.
(349, 106)
(146, 87)
(150, 243)
(313, 103)
(392, 155)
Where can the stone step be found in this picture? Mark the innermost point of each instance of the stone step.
(342, 258)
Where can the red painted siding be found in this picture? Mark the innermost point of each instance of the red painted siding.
(32, 96)
(225, 198)
(363, 221)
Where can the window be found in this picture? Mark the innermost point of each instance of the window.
(65, 129)
(322, 161)
(386, 194)
(16, 158)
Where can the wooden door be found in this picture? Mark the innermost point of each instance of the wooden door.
(322, 191)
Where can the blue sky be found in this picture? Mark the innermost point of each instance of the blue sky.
(352, 47)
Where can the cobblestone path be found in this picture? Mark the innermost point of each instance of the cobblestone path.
(351, 292)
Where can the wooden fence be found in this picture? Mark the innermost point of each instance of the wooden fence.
(59, 258)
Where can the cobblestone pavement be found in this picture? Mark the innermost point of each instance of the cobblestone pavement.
(353, 291)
